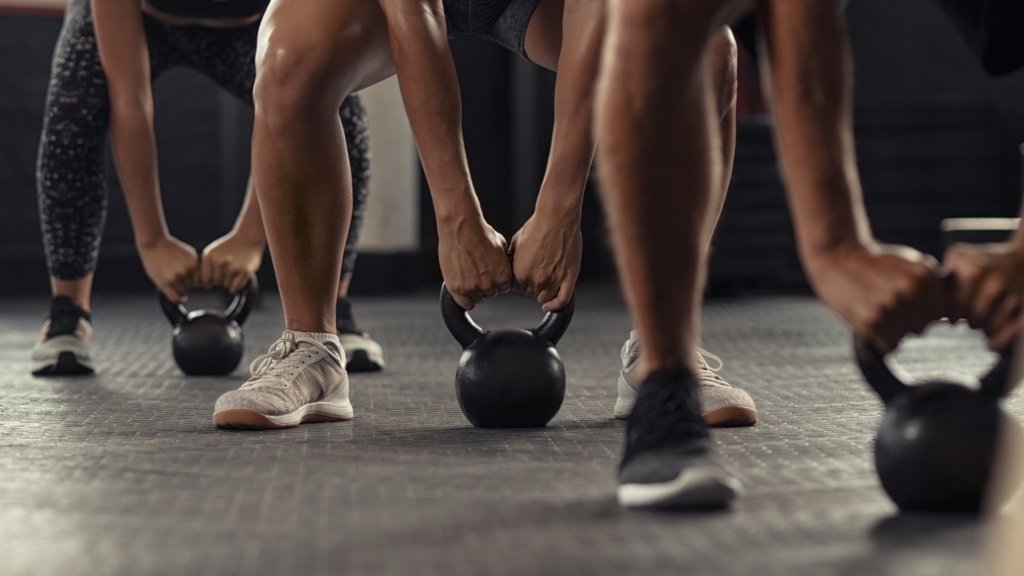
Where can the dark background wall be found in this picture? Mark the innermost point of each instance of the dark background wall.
(936, 138)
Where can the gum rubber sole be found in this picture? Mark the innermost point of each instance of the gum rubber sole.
(728, 417)
(240, 419)
(731, 416)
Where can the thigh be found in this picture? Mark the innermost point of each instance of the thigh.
(338, 47)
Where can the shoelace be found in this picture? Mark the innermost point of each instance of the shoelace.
(709, 375)
(265, 366)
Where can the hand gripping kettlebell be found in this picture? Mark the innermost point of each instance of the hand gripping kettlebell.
(936, 446)
(209, 342)
(508, 378)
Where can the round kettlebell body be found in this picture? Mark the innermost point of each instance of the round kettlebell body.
(936, 446)
(510, 379)
(207, 343)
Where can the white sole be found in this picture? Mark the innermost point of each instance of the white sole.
(361, 353)
(626, 401)
(696, 487)
(62, 355)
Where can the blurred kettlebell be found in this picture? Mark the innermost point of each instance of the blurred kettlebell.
(937, 444)
(508, 378)
(209, 342)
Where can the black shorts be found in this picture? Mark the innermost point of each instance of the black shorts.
(500, 21)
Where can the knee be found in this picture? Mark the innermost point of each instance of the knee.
(723, 55)
(296, 85)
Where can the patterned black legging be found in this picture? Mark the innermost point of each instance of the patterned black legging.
(70, 173)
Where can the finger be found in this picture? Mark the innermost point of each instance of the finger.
(518, 287)
(1003, 341)
(225, 274)
(963, 263)
(465, 302)
(205, 271)
(561, 300)
(175, 292)
(546, 295)
(1005, 313)
(239, 282)
(989, 294)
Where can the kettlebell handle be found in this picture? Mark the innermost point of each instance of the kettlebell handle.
(176, 313)
(465, 331)
(876, 371)
(881, 374)
(243, 302)
(238, 310)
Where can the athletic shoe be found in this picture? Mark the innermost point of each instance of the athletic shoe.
(668, 461)
(64, 342)
(364, 354)
(301, 379)
(720, 403)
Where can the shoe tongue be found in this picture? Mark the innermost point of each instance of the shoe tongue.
(64, 315)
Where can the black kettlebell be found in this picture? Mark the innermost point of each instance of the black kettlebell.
(508, 378)
(936, 446)
(209, 342)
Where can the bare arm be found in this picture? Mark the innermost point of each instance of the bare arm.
(472, 254)
(172, 265)
(883, 292)
(232, 259)
(549, 247)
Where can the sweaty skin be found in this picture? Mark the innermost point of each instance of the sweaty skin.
(662, 171)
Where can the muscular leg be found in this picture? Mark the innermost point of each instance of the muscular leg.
(565, 35)
(662, 162)
(311, 55)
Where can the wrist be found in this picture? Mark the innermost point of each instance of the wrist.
(251, 235)
(456, 205)
(561, 206)
(150, 240)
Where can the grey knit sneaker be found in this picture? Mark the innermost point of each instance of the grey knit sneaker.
(720, 403)
(301, 379)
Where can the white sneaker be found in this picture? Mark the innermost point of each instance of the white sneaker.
(720, 403)
(64, 341)
(301, 379)
(364, 354)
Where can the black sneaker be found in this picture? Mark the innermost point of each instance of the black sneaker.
(362, 353)
(669, 462)
(64, 341)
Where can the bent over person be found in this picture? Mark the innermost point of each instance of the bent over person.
(107, 56)
(656, 101)
(312, 55)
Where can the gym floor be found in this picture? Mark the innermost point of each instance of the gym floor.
(122, 473)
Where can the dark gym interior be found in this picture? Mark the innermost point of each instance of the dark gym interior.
(122, 473)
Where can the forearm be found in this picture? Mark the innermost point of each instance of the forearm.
(249, 224)
(810, 80)
(134, 142)
(573, 144)
(430, 91)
